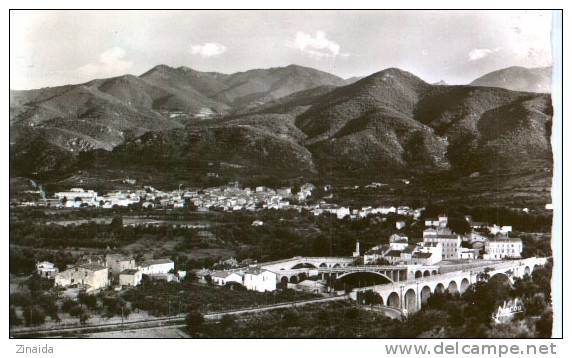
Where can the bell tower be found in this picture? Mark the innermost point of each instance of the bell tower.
(356, 252)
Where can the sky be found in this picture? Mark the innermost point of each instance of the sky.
(50, 48)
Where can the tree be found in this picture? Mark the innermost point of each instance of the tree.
(458, 225)
(88, 300)
(34, 315)
(116, 224)
(227, 321)
(291, 317)
(69, 305)
(544, 325)
(369, 297)
(14, 319)
(536, 305)
(84, 317)
(195, 321)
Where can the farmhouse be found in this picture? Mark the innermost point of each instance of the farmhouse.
(46, 269)
(92, 276)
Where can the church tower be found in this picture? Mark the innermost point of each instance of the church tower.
(356, 253)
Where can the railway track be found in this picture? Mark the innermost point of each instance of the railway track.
(178, 320)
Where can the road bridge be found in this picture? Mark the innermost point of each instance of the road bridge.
(299, 268)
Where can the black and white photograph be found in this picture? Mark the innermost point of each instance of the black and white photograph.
(198, 174)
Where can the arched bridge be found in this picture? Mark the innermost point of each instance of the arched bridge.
(393, 273)
(299, 268)
(411, 294)
(299, 262)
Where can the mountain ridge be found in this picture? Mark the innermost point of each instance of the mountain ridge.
(267, 122)
(518, 78)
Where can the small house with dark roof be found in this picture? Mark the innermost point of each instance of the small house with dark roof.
(130, 277)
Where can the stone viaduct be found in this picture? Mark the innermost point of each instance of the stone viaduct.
(409, 295)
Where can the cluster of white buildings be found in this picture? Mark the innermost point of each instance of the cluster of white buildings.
(148, 197)
(441, 243)
(342, 212)
(227, 198)
(252, 278)
(234, 198)
(482, 226)
(95, 273)
(400, 251)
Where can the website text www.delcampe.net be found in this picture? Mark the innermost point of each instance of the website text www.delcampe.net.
(477, 349)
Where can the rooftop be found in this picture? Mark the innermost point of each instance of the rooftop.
(156, 262)
(129, 272)
(93, 267)
(500, 238)
(422, 255)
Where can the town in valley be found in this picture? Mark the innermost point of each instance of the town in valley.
(411, 258)
(284, 174)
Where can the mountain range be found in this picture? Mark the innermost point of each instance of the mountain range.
(284, 122)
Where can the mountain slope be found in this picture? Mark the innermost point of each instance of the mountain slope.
(104, 113)
(518, 79)
(283, 123)
(256, 87)
(389, 90)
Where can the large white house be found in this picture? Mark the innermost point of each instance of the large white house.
(157, 266)
(451, 242)
(501, 247)
(257, 279)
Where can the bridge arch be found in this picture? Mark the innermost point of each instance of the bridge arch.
(302, 276)
(425, 294)
(410, 300)
(284, 281)
(418, 274)
(294, 279)
(323, 264)
(365, 273)
(393, 300)
(302, 265)
(434, 272)
(502, 276)
(440, 288)
(361, 279)
(452, 288)
(464, 285)
(426, 273)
